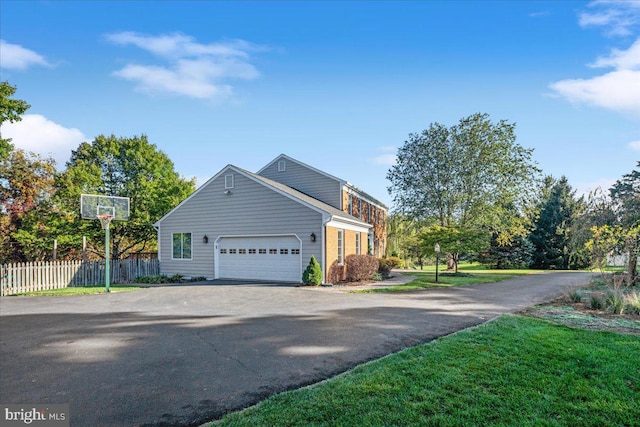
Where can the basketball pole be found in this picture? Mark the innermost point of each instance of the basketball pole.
(107, 257)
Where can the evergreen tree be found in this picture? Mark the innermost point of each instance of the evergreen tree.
(552, 234)
(313, 274)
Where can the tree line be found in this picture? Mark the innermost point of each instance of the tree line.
(40, 204)
(473, 190)
(470, 188)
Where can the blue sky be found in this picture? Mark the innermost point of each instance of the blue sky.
(338, 85)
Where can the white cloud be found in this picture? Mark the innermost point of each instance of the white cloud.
(634, 145)
(617, 17)
(539, 14)
(617, 90)
(621, 59)
(191, 69)
(16, 57)
(385, 159)
(388, 156)
(42, 136)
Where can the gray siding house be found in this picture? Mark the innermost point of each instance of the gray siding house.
(242, 225)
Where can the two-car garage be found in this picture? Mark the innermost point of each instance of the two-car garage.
(273, 258)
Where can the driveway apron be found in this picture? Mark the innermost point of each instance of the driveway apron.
(183, 355)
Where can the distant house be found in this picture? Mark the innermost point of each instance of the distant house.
(267, 225)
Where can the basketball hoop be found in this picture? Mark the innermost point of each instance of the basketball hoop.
(105, 220)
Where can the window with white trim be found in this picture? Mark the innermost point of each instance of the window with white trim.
(228, 181)
(350, 204)
(295, 251)
(340, 247)
(262, 251)
(357, 243)
(181, 246)
(282, 166)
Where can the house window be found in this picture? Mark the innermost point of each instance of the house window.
(357, 243)
(295, 251)
(252, 251)
(228, 181)
(232, 251)
(350, 204)
(376, 249)
(181, 245)
(284, 251)
(340, 247)
(262, 251)
(223, 251)
(282, 166)
(242, 251)
(360, 207)
(273, 251)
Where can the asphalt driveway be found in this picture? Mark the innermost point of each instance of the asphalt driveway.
(184, 355)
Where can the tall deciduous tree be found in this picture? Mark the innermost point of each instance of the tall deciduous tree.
(126, 167)
(26, 184)
(11, 111)
(468, 175)
(471, 176)
(553, 233)
(625, 194)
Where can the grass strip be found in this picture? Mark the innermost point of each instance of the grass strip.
(428, 280)
(514, 371)
(85, 290)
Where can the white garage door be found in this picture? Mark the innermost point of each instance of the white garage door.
(260, 258)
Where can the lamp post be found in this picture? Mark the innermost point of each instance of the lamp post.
(437, 248)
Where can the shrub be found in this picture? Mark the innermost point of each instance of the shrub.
(632, 303)
(615, 302)
(313, 273)
(386, 264)
(161, 278)
(336, 273)
(596, 303)
(176, 278)
(575, 296)
(360, 267)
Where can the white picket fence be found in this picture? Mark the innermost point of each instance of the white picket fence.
(41, 276)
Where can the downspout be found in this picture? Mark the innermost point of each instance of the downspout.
(324, 249)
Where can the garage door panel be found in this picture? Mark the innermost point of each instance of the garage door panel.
(260, 258)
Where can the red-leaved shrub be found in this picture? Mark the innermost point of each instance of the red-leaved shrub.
(360, 267)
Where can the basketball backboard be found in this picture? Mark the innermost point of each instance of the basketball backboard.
(93, 205)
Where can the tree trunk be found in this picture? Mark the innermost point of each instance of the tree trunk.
(450, 262)
(632, 268)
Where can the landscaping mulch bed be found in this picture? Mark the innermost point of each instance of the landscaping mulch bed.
(580, 315)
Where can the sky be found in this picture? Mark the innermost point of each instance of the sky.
(337, 85)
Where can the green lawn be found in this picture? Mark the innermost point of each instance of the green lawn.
(88, 290)
(514, 371)
(426, 279)
(471, 274)
(475, 267)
